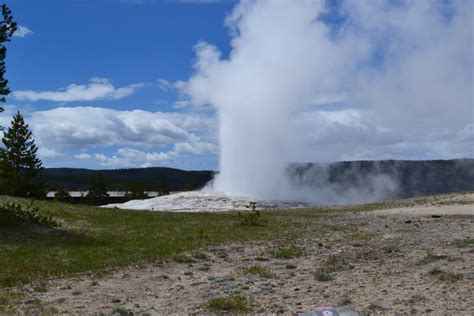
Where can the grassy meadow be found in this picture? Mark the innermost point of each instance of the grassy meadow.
(96, 240)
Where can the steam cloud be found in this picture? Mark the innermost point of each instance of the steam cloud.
(394, 66)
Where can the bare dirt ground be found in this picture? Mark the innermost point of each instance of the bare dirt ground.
(416, 260)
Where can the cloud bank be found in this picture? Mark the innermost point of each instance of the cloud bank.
(119, 139)
(367, 78)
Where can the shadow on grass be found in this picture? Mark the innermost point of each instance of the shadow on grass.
(28, 252)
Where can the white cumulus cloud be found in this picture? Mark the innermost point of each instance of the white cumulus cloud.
(131, 157)
(97, 89)
(22, 31)
(82, 127)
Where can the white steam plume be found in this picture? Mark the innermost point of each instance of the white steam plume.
(396, 65)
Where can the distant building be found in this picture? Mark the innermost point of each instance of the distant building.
(119, 195)
(113, 195)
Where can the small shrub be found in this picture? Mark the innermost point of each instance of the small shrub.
(366, 255)
(391, 248)
(202, 235)
(363, 235)
(200, 255)
(260, 271)
(345, 300)
(40, 289)
(431, 258)
(322, 275)
(233, 303)
(375, 307)
(12, 214)
(436, 271)
(121, 312)
(451, 277)
(288, 252)
(62, 195)
(464, 243)
(334, 263)
(181, 258)
(252, 218)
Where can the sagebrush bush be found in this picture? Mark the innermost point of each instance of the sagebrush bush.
(12, 214)
(252, 218)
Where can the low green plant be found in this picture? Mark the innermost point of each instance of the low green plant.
(121, 312)
(345, 300)
(202, 234)
(182, 258)
(464, 243)
(40, 288)
(288, 252)
(9, 302)
(12, 214)
(260, 271)
(451, 277)
(334, 263)
(252, 218)
(235, 303)
(436, 271)
(62, 195)
(322, 275)
(360, 235)
(200, 255)
(431, 258)
(375, 307)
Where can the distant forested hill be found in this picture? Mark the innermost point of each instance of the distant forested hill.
(410, 178)
(403, 178)
(123, 179)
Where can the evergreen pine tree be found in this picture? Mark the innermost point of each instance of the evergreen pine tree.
(19, 162)
(7, 28)
(20, 149)
(97, 190)
(138, 192)
(163, 189)
(62, 195)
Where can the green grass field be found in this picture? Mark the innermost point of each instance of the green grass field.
(96, 240)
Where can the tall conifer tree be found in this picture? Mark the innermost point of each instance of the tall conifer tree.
(19, 162)
(7, 28)
(97, 190)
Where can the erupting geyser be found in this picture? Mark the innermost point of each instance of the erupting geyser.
(368, 59)
(280, 52)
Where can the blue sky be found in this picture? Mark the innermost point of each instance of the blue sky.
(109, 83)
(79, 39)
(127, 42)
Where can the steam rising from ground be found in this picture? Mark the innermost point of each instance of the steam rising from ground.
(382, 67)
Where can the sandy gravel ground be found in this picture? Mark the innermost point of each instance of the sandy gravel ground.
(389, 262)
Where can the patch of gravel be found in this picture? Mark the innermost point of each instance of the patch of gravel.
(429, 210)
